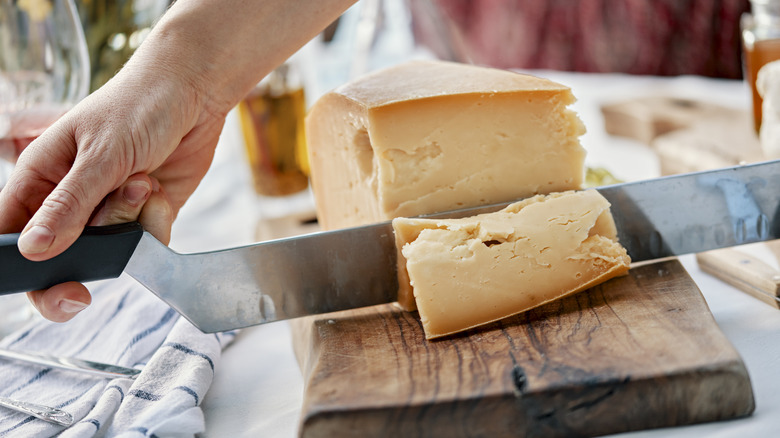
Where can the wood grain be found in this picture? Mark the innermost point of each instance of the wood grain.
(637, 352)
(743, 271)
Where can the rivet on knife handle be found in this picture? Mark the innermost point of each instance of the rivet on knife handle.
(99, 253)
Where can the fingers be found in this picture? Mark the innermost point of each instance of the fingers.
(139, 198)
(62, 302)
(157, 215)
(60, 187)
(142, 199)
(125, 203)
(61, 217)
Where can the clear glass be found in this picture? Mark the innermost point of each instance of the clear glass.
(44, 71)
(44, 68)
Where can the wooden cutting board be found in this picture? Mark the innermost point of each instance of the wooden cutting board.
(637, 352)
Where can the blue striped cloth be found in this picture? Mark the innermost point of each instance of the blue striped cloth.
(125, 325)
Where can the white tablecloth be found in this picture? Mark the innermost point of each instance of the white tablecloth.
(258, 389)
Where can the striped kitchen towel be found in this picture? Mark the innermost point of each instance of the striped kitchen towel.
(128, 326)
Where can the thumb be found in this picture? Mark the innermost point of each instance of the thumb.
(63, 214)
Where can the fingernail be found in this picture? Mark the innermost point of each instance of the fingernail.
(36, 240)
(71, 306)
(136, 192)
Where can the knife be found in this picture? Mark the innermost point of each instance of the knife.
(356, 267)
(93, 368)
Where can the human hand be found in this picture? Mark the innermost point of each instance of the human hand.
(134, 150)
(140, 198)
(160, 116)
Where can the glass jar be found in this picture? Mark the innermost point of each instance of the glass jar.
(761, 45)
(272, 124)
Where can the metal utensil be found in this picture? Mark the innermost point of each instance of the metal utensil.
(47, 413)
(72, 364)
(356, 267)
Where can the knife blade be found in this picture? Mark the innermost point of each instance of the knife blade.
(356, 267)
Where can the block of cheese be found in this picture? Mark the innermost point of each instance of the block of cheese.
(472, 271)
(429, 136)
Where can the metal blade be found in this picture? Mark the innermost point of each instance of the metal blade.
(274, 280)
(356, 267)
(690, 213)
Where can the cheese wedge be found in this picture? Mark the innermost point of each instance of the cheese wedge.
(472, 271)
(430, 136)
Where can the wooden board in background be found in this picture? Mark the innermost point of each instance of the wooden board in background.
(687, 135)
(691, 136)
(637, 352)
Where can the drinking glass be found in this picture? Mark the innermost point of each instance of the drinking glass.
(44, 68)
(44, 71)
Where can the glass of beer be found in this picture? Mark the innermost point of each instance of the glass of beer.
(272, 124)
(761, 45)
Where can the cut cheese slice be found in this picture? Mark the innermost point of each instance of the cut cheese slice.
(429, 136)
(472, 271)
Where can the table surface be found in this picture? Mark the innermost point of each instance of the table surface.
(258, 389)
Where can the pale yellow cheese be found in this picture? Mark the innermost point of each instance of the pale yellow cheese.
(472, 271)
(430, 136)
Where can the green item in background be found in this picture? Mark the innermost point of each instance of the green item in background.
(599, 176)
(113, 30)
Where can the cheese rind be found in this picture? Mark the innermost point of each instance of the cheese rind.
(472, 271)
(432, 136)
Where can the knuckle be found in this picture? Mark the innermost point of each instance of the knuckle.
(63, 202)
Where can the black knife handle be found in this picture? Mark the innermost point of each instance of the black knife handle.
(99, 253)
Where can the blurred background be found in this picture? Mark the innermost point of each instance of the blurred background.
(113, 30)
(651, 39)
(662, 37)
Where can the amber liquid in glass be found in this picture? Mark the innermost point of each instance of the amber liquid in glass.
(273, 128)
(762, 52)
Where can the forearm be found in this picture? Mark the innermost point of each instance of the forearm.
(224, 47)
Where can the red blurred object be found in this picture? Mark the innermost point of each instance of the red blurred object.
(659, 37)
